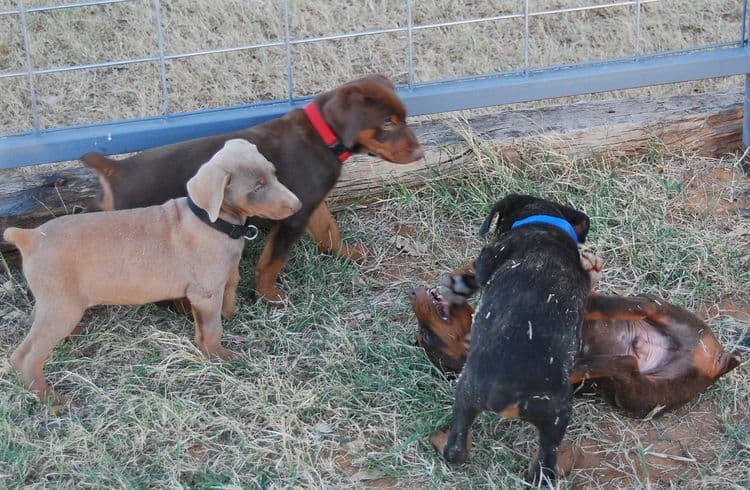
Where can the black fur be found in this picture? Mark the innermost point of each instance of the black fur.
(526, 330)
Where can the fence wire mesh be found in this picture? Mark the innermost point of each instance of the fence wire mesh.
(67, 64)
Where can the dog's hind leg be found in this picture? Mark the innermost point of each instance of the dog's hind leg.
(551, 432)
(52, 322)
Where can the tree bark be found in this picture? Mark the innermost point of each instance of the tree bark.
(709, 124)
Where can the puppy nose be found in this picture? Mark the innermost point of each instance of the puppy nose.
(418, 153)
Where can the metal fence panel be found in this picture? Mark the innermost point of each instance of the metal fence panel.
(531, 79)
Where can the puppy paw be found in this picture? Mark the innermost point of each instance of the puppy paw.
(356, 253)
(274, 297)
(456, 288)
(592, 264)
(439, 440)
(222, 353)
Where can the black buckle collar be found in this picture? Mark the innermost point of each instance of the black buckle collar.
(246, 231)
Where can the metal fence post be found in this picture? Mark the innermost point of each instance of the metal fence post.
(746, 116)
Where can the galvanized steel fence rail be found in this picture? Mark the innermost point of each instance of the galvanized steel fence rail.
(41, 145)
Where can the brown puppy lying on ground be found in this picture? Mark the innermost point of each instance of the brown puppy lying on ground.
(524, 340)
(307, 147)
(188, 247)
(643, 354)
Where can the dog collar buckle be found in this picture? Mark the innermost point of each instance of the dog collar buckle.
(338, 148)
(247, 229)
(248, 232)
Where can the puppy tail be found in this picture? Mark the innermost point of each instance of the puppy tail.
(22, 239)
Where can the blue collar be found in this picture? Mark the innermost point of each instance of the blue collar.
(549, 220)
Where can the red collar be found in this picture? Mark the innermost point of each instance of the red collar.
(325, 132)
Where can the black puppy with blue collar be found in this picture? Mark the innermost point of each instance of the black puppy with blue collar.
(527, 328)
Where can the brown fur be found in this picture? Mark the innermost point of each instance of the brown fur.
(365, 114)
(640, 352)
(149, 254)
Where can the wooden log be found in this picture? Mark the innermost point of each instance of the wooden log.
(710, 124)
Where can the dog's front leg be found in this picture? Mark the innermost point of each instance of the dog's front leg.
(455, 444)
(206, 309)
(229, 303)
(271, 262)
(324, 231)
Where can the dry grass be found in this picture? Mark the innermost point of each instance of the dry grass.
(330, 392)
(127, 30)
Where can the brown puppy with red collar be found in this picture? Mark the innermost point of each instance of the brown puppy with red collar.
(307, 147)
(642, 353)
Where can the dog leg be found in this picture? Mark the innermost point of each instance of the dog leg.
(620, 308)
(592, 264)
(324, 231)
(207, 316)
(604, 367)
(551, 433)
(268, 269)
(52, 323)
(456, 443)
(229, 303)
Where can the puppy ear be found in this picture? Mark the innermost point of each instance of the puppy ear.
(206, 188)
(579, 220)
(344, 111)
(105, 169)
(502, 208)
(730, 361)
(377, 77)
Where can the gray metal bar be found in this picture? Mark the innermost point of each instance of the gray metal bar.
(526, 36)
(162, 63)
(578, 80)
(743, 31)
(29, 69)
(288, 51)
(532, 14)
(746, 116)
(426, 26)
(637, 48)
(134, 135)
(409, 45)
(63, 6)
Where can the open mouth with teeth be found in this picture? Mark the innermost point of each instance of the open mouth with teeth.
(441, 305)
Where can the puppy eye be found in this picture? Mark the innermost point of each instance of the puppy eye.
(388, 125)
(259, 186)
(426, 337)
